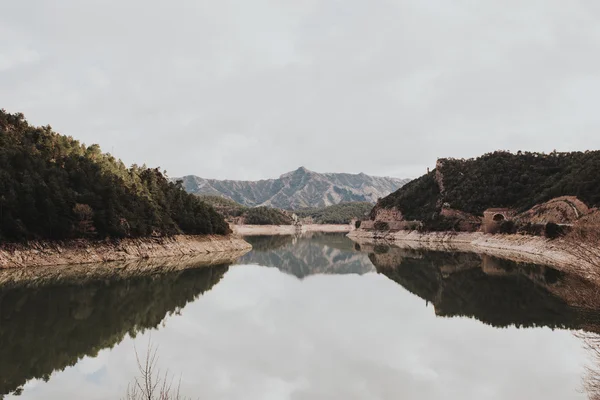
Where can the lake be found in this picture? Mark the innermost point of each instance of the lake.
(309, 317)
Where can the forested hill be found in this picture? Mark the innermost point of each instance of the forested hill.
(499, 179)
(53, 187)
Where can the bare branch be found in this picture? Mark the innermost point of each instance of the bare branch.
(151, 384)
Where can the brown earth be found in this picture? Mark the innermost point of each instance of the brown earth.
(561, 210)
(41, 253)
(519, 248)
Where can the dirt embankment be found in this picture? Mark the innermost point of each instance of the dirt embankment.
(520, 248)
(38, 254)
(256, 230)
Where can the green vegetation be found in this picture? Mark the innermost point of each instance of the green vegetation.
(266, 216)
(417, 199)
(234, 212)
(237, 213)
(342, 213)
(382, 226)
(226, 207)
(53, 187)
(499, 179)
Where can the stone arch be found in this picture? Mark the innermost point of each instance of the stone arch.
(498, 217)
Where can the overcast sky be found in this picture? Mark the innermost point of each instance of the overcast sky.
(253, 89)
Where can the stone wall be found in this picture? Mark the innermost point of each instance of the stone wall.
(494, 217)
(388, 215)
(467, 222)
(439, 177)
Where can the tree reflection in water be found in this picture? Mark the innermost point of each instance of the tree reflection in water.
(51, 323)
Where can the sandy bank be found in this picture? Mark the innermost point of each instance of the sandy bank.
(520, 248)
(40, 254)
(254, 230)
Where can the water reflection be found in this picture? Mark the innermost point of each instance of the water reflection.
(495, 291)
(308, 254)
(263, 333)
(50, 323)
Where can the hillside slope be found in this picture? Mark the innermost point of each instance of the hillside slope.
(53, 187)
(500, 179)
(236, 213)
(297, 189)
(342, 213)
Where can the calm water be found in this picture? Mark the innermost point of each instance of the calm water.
(307, 318)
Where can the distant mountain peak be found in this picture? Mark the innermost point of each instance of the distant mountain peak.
(298, 189)
(299, 171)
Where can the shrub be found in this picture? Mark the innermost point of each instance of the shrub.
(266, 216)
(381, 226)
(553, 231)
(507, 227)
(531, 229)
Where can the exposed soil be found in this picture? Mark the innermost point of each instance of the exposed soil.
(520, 248)
(84, 251)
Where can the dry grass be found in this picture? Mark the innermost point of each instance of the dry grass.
(583, 242)
(591, 380)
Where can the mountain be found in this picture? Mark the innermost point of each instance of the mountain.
(500, 179)
(53, 187)
(297, 189)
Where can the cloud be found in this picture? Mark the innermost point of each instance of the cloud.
(383, 88)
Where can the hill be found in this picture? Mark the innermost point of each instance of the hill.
(342, 213)
(500, 179)
(53, 187)
(298, 189)
(238, 214)
(233, 212)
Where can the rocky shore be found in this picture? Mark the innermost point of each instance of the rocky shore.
(41, 254)
(519, 248)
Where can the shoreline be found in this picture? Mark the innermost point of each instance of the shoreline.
(519, 248)
(111, 270)
(259, 230)
(81, 251)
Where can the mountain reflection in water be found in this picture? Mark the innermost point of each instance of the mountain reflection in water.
(308, 254)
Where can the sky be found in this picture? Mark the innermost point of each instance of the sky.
(252, 89)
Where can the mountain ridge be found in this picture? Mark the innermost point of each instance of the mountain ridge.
(297, 189)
